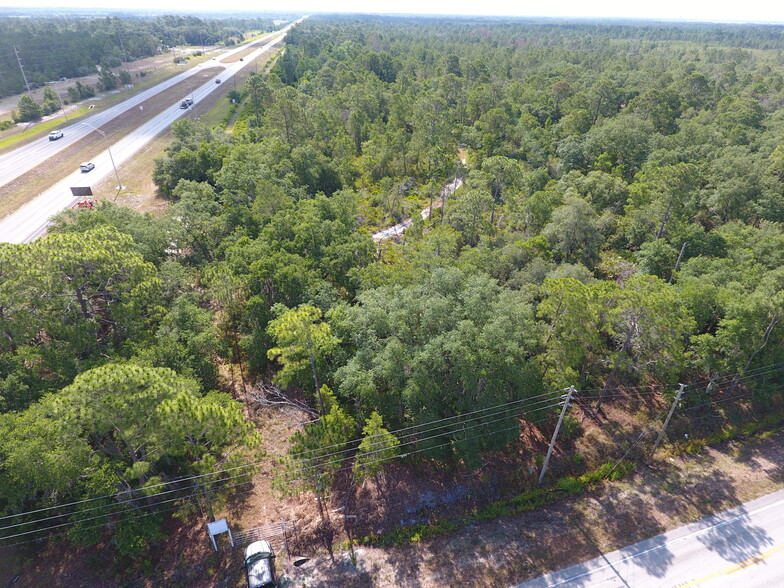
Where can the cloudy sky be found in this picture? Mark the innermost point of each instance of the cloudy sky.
(744, 11)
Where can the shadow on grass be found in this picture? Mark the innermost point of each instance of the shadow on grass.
(765, 456)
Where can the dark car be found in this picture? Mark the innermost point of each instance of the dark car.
(260, 565)
(217, 81)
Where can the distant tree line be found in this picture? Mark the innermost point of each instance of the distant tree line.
(51, 48)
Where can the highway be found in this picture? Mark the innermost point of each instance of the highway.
(740, 547)
(31, 220)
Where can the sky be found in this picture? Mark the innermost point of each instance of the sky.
(700, 10)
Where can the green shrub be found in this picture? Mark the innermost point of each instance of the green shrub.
(530, 500)
(570, 485)
(571, 428)
(494, 511)
(410, 534)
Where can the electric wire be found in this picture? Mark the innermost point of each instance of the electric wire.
(268, 476)
(342, 453)
(307, 467)
(299, 455)
(511, 406)
(239, 493)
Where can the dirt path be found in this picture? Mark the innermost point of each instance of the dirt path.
(398, 229)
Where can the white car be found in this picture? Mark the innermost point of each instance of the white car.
(87, 166)
(54, 135)
(260, 565)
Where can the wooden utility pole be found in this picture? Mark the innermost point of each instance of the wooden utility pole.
(21, 68)
(667, 420)
(125, 55)
(555, 433)
(209, 502)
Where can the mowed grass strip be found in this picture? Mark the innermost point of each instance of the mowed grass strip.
(42, 128)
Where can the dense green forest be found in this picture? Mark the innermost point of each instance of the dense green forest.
(66, 46)
(619, 229)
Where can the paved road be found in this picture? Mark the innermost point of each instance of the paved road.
(30, 221)
(21, 160)
(743, 547)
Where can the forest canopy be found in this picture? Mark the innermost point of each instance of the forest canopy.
(618, 225)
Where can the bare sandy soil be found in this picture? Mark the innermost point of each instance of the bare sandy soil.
(506, 551)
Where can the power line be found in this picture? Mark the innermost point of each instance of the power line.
(175, 508)
(762, 370)
(268, 476)
(302, 456)
(272, 460)
(502, 411)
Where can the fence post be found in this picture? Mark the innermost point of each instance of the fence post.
(285, 539)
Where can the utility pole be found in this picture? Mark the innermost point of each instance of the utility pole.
(125, 56)
(111, 157)
(21, 68)
(347, 529)
(209, 502)
(555, 433)
(667, 420)
(62, 106)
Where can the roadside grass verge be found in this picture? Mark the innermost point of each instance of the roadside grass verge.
(225, 113)
(766, 427)
(41, 128)
(567, 486)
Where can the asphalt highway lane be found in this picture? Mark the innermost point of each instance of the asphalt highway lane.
(740, 547)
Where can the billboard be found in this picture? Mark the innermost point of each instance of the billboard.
(81, 191)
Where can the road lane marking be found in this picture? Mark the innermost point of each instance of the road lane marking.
(688, 536)
(746, 563)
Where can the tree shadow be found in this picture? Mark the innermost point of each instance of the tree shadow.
(733, 537)
(581, 545)
(398, 567)
(764, 455)
(691, 495)
(634, 527)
